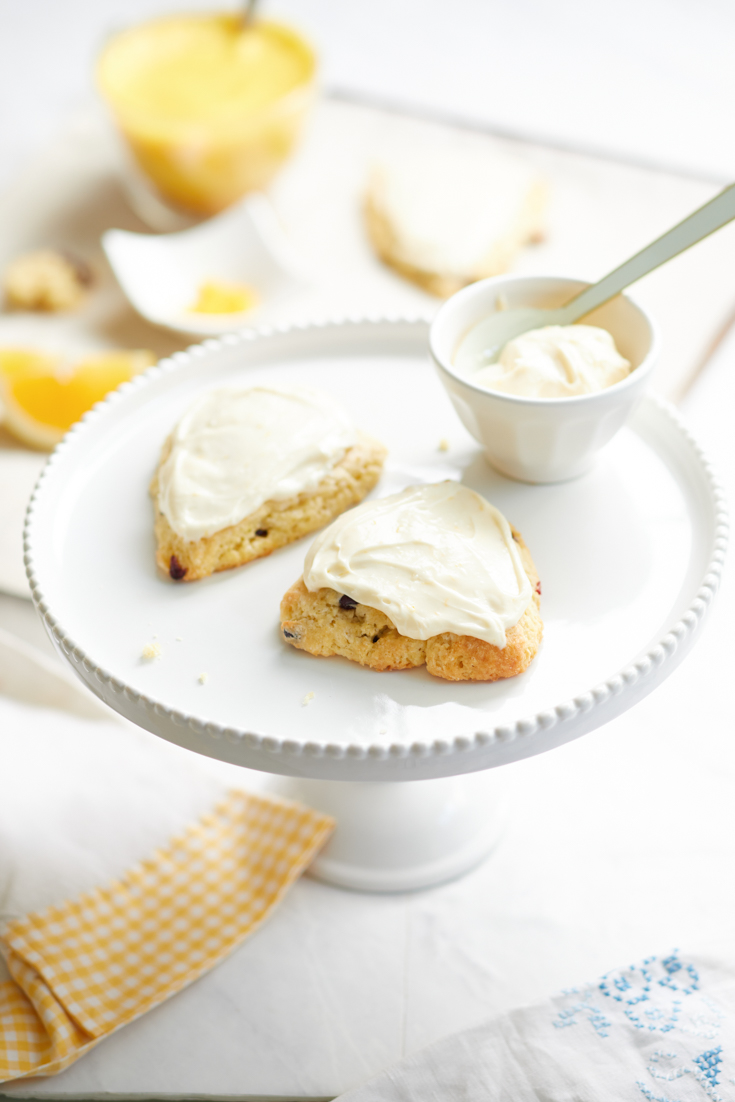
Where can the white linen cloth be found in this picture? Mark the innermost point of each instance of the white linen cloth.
(83, 799)
(661, 1031)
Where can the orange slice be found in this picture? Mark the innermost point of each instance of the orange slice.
(41, 398)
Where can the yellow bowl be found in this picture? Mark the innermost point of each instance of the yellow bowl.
(209, 110)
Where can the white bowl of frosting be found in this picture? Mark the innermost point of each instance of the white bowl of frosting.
(553, 397)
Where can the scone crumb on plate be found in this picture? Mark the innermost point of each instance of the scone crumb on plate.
(443, 444)
(151, 651)
(203, 678)
(307, 699)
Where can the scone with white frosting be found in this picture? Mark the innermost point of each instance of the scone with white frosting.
(431, 576)
(246, 471)
(453, 211)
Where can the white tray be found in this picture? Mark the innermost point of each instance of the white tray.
(629, 557)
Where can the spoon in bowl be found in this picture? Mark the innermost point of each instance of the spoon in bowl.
(488, 338)
(248, 15)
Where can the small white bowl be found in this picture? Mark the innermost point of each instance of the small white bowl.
(541, 439)
(161, 273)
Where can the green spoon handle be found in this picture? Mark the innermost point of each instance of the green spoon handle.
(248, 15)
(704, 221)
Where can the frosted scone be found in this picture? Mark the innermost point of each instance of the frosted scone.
(433, 575)
(247, 471)
(453, 213)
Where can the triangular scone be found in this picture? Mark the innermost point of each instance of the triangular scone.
(327, 622)
(453, 211)
(274, 522)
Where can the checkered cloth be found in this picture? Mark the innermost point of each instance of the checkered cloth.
(85, 968)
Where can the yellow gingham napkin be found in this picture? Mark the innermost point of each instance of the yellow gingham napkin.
(87, 967)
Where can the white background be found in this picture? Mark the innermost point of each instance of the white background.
(648, 80)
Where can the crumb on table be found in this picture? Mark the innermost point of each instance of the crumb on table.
(307, 699)
(46, 280)
(443, 444)
(203, 678)
(151, 651)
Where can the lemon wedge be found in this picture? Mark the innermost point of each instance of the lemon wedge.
(41, 397)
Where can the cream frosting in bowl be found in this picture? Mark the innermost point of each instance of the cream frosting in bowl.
(557, 361)
(554, 396)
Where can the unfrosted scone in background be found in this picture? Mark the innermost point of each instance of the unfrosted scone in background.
(246, 471)
(433, 575)
(452, 211)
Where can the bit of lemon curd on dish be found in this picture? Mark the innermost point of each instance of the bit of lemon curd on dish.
(209, 107)
(220, 297)
(41, 396)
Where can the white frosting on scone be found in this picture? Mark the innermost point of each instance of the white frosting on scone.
(433, 558)
(449, 203)
(236, 449)
(557, 361)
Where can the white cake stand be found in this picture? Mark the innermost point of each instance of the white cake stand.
(629, 557)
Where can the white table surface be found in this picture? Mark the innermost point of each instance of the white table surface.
(616, 846)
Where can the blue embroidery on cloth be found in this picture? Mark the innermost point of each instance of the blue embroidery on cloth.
(594, 1016)
(659, 996)
(706, 1071)
(644, 993)
(669, 1074)
(672, 965)
(654, 1097)
(709, 1064)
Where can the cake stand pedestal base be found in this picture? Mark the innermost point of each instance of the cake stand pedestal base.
(394, 837)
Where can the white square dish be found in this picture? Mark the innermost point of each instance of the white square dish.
(162, 273)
